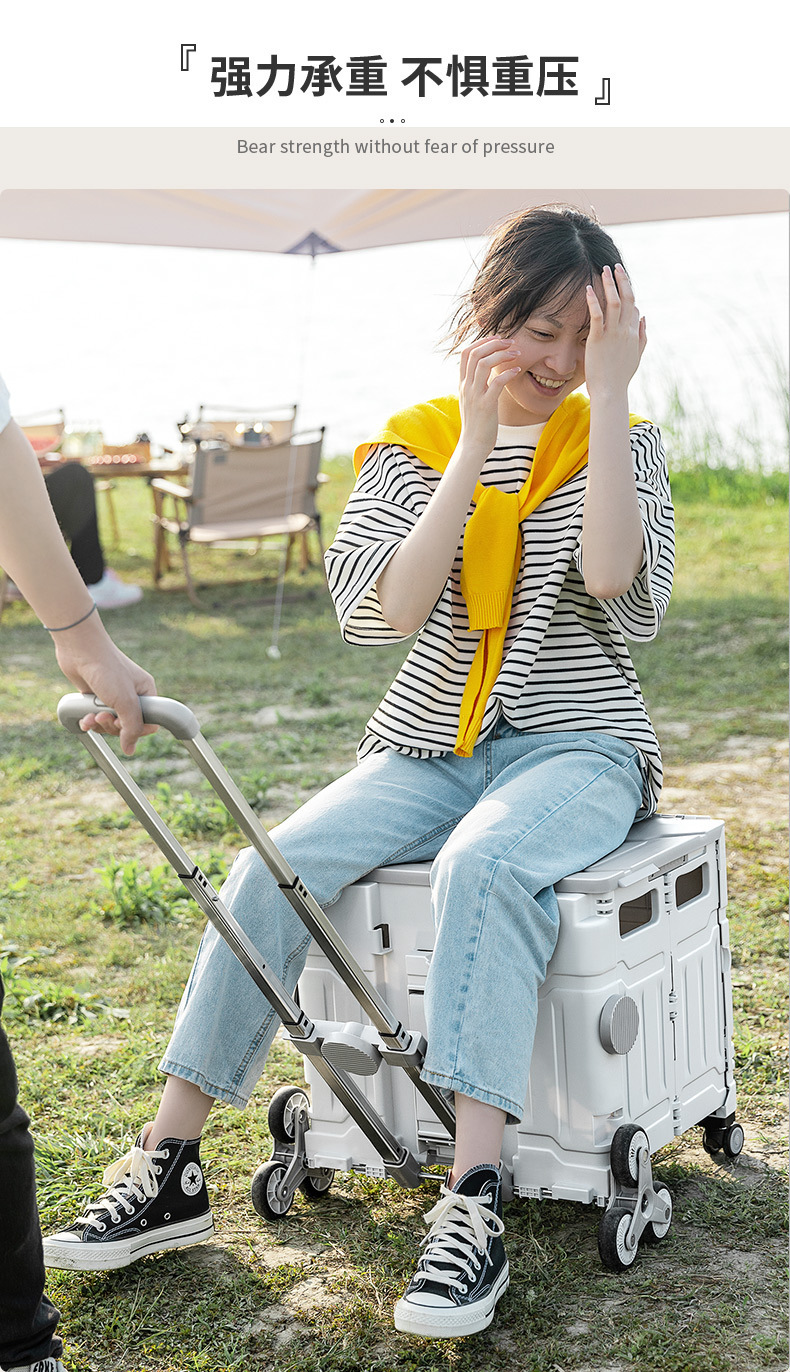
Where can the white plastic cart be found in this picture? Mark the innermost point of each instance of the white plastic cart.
(633, 1042)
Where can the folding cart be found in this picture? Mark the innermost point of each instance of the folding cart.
(633, 1042)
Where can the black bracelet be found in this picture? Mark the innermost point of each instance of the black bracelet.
(61, 629)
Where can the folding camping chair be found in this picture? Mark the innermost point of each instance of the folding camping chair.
(241, 492)
(226, 424)
(45, 436)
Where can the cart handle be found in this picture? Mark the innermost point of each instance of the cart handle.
(168, 714)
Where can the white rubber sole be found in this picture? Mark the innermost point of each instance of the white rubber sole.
(74, 1256)
(454, 1322)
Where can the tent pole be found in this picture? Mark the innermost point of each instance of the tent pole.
(273, 650)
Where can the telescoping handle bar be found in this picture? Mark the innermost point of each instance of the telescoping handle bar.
(169, 714)
(398, 1041)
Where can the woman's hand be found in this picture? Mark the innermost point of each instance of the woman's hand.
(480, 388)
(415, 576)
(617, 339)
(93, 663)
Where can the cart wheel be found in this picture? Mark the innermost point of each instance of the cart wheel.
(316, 1184)
(713, 1140)
(268, 1198)
(624, 1160)
(612, 1230)
(282, 1110)
(733, 1141)
(652, 1232)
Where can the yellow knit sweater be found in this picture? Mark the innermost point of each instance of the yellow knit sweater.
(492, 540)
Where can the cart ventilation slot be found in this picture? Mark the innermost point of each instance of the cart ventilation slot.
(689, 885)
(636, 913)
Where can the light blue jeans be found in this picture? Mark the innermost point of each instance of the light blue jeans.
(504, 825)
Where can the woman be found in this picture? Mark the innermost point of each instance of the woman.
(521, 530)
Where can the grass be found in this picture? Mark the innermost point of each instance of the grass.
(718, 456)
(91, 921)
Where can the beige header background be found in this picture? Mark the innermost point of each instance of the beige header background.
(634, 158)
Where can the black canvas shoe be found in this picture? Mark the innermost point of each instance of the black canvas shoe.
(463, 1270)
(153, 1201)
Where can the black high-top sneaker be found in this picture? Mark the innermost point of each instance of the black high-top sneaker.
(153, 1201)
(464, 1269)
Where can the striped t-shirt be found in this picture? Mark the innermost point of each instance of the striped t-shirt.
(565, 664)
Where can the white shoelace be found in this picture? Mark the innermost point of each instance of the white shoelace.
(460, 1229)
(135, 1175)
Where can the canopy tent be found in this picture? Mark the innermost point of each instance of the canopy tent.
(318, 221)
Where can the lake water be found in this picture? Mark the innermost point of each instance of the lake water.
(131, 338)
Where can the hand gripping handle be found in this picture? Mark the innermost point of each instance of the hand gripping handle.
(168, 714)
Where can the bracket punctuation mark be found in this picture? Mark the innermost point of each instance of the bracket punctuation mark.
(605, 97)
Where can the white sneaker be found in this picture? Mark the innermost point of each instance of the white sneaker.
(113, 594)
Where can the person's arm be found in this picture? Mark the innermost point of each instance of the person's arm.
(612, 531)
(35, 556)
(414, 578)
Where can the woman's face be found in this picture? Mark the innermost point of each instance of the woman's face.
(551, 346)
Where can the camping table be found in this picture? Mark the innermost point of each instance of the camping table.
(169, 466)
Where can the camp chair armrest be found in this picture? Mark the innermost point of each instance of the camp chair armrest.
(172, 488)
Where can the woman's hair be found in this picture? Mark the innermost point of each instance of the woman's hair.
(535, 257)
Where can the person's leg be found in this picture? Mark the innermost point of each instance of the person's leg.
(27, 1317)
(478, 1135)
(73, 498)
(391, 808)
(71, 492)
(554, 805)
(550, 810)
(182, 1113)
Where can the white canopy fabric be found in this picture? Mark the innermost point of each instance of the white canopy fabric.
(312, 222)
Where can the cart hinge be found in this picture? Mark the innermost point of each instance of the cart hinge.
(717, 851)
(676, 1126)
(411, 1054)
(395, 1040)
(725, 963)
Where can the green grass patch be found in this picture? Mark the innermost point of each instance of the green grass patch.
(729, 486)
(134, 894)
(34, 997)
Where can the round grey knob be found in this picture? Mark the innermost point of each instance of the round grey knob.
(619, 1024)
(349, 1051)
